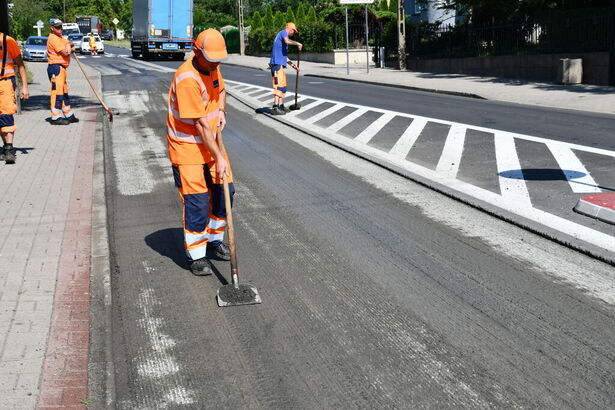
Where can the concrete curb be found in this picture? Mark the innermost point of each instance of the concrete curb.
(601, 207)
(543, 231)
(102, 373)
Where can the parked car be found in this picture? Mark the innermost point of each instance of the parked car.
(76, 39)
(107, 35)
(35, 49)
(85, 45)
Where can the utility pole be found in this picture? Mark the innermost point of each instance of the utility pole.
(242, 44)
(401, 34)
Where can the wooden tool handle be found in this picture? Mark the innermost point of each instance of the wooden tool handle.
(92, 87)
(229, 217)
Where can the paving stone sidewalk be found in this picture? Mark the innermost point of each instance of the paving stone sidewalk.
(45, 226)
(597, 99)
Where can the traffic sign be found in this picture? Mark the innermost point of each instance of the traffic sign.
(115, 21)
(38, 27)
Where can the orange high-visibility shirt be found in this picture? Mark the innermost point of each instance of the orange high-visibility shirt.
(55, 44)
(13, 52)
(192, 96)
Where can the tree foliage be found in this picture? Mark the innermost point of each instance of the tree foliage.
(501, 10)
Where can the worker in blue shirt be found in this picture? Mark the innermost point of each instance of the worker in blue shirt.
(277, 63)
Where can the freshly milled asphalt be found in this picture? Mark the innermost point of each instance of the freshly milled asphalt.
(367, 302)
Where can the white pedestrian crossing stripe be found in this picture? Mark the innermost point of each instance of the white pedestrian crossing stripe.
(512, 193)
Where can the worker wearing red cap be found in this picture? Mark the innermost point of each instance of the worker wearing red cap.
(58, 58)
(196, 113)
(10, 54)
(277, 63)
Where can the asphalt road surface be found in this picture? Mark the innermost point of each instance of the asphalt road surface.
(377, 292)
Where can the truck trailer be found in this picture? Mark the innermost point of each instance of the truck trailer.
(161, 28)
(89, 24)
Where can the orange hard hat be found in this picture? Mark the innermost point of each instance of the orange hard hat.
(212, 45)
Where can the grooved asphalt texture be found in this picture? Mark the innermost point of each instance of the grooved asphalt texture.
(367, 303)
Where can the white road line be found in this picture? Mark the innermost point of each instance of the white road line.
(449, 161)
(324, 113)
(576, 147)
(150, 66)
(577, 175)
(108, 70)
(368, 133)
(408, 138)
(260, 94)
(312, 105)
(512, 184)
(347, 120)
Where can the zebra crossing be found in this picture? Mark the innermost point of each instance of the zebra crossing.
(488, 166)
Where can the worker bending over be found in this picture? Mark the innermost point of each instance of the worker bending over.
(58, 56)
(11, 57)
(196, 113)
(277, 63)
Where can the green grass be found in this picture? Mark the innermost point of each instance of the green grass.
(119, 43)
(29, 75)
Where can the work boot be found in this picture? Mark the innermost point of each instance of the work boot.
(60, 121)
(277, 111)
(9, 155)
(220, 251)
(72, 119)
(201, 267)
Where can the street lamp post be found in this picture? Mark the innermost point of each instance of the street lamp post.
(242, 43)
(401, 35)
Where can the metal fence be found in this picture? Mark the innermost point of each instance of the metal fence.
(591, 30)
(356, 34)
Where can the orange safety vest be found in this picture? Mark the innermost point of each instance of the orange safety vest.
(12, 52)
(55, 44)
(200, 94)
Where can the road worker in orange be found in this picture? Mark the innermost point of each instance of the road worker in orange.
(11, 57)
(196, 113)
(58, 56)
(92, 44)
(277, 64)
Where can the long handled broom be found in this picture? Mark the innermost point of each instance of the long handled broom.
(234, 294)
(93, 89)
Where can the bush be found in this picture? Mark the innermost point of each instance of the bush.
(317, 38)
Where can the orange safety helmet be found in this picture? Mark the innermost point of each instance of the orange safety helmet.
(212, 45)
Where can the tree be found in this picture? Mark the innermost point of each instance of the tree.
(25, 14)
(300, 14)
(268, 18)
(501, 10)
(310, 17)
(279, 20)
(290, 15)
(256, 21)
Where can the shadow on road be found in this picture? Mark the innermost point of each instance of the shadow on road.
(549, 174)
(41, 102)
(168, 243)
